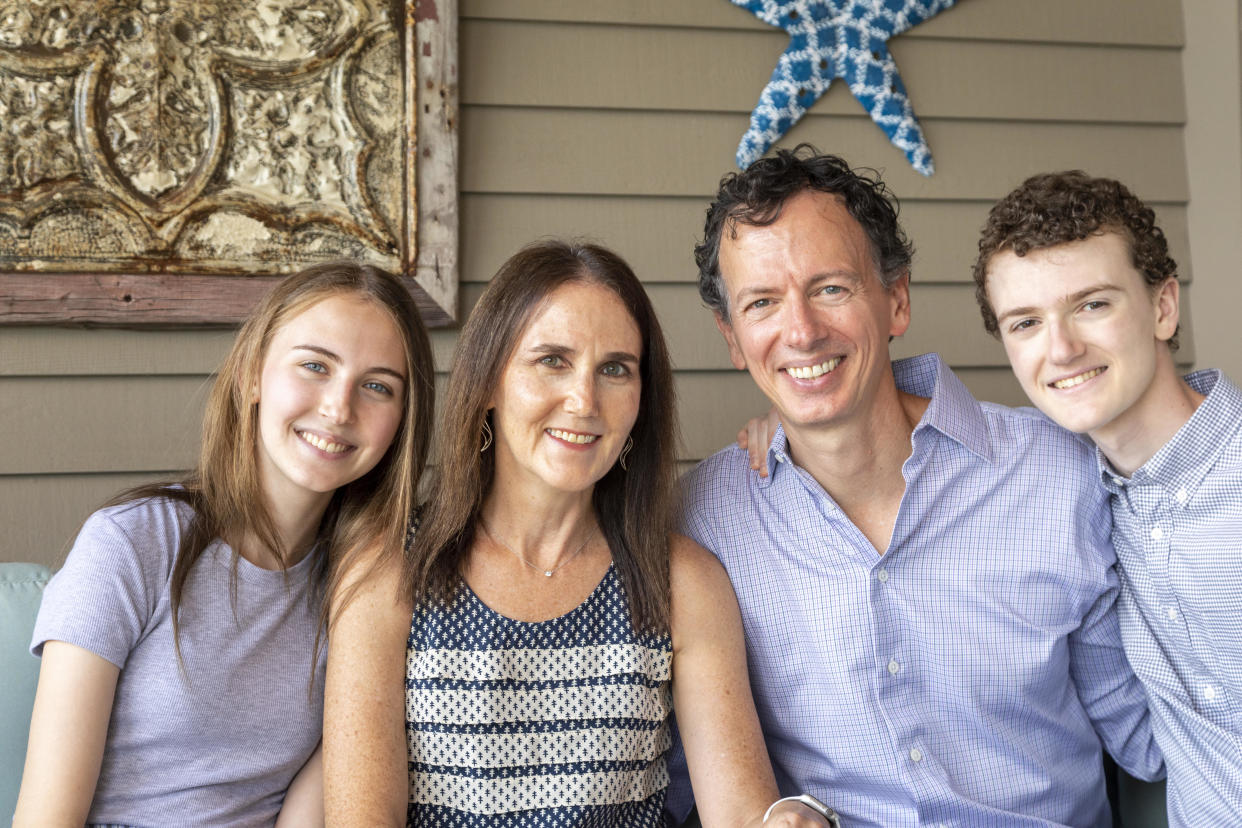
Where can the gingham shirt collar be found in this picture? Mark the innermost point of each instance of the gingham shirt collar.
(1183, 462)
(953, 411)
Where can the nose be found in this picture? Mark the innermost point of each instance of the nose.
(1064, 344)
(580, 396)
(803, 328)
(336, 403)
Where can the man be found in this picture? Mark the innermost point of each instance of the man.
(1075, 278)
(926, 582)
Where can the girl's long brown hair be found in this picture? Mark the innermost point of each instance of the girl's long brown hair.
(224, 490)
(633, 507)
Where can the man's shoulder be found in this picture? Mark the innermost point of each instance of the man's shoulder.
(724, 474)
(1023, 427)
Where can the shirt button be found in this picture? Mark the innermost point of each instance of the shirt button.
(1209, 693)
(1157, 533)
(916, 755)
(894, 667)
(1182, 496)
(882, 576)
(1172, 613)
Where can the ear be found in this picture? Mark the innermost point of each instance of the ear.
(735, 353)
(1167, 306)
(250, 390)
(899, 294)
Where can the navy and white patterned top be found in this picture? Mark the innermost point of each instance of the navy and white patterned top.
(558, 722)
(1177, 526)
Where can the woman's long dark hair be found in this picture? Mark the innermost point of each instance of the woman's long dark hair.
(633, 506)
(225, 491)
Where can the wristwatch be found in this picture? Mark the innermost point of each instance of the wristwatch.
(810, 802)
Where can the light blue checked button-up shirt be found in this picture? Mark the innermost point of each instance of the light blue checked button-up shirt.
(966, 677)
(1178, 533)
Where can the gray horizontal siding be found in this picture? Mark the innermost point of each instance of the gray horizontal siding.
(614, 121)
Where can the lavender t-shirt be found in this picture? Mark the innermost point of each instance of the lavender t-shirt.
(215, 743)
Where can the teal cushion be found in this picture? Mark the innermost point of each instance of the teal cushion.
(21, 591)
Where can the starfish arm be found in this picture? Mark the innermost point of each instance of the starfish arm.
(873, 79)
(831, 39)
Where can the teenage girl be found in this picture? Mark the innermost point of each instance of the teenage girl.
(182, 642)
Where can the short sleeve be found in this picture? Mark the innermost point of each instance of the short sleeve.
(111, 583)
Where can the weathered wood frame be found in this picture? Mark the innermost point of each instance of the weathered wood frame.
(206, 299)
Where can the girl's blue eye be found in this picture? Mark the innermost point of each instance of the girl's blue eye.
(380, 387)
(317, 367)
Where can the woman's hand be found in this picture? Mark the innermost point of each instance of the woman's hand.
(756, 436)
(68, 730)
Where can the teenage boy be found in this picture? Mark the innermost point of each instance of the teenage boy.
(1075, 279)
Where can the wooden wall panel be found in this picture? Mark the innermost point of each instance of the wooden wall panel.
(673, 154)
(631, 67)
(1146, 22)
(42, 513)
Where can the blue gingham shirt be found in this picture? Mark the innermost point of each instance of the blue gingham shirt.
(968, 675)
(1178, 533)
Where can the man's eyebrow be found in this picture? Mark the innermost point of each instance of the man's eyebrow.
(1076, 296)
(334, 357)
(759, 290)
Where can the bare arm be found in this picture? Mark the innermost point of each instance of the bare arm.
(729, 766)
(303, 805)
(364, 753)
(68, 729)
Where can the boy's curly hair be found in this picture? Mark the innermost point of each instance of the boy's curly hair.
(1055, 208)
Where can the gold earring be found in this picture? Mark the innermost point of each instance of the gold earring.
(629, 444)
(487, 437)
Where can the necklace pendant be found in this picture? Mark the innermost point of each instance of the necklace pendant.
(547, 573)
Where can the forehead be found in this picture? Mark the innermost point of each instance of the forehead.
(814, 231)
(1102, 260)
(343, 320)
(581, 314)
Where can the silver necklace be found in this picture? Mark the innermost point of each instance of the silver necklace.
(548, 573)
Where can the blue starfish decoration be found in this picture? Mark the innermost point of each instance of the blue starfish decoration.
(831, 39)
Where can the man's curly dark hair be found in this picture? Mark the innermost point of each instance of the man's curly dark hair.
(1055, 208)
(756, 195)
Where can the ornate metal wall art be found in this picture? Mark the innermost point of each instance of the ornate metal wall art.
(162, 160)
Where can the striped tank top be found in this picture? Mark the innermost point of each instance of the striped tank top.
(558, 722)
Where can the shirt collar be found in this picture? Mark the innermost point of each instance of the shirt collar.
(1181, 464)
(953, 411)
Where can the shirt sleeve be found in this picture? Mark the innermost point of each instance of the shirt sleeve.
(103, 597)
(1110, 692)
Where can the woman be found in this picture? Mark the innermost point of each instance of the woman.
(182, 673)
(552, 607)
